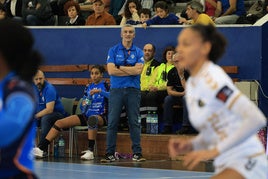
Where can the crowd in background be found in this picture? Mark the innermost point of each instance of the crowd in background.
(135, 12)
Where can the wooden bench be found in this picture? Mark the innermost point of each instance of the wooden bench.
(86, 80)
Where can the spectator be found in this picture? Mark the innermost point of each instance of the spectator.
(176, 78)
(50, 108)
(2, 12)
(37, 12)
(18, 64)
(150, 63)
(115, 7)
(86, 7)
(14, 9)
(229, 11)
(157, 88)
(145, 14)
(72, 9)
(131, 12)
(93, 115)
(124, 64)
(163, 17)
(100, 17)
(194, 11)
(147, 4)
(210, 7)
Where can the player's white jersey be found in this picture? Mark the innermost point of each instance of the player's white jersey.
(210, 96)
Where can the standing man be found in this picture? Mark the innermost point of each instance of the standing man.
(124, 64)
(50, 108)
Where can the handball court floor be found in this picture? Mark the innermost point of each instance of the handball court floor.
(67, 168)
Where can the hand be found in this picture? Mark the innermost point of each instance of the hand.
(177, 146)
(182, 20)
(144, 25)
(94, 91)
(133, 10)
(193, 158)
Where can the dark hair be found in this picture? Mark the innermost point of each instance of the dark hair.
(99, 67)
(127, 12)
(69, 4)
(145, 11)
(161, 5)
(209, 34)
(168, 48)
(16, 47)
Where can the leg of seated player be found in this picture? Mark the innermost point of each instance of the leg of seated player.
(94, 122)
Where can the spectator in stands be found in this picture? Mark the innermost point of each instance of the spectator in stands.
(124, 64)
(18, 64)
(194, 12)
(2, 12)
(163, 17)
(176, 78)
(100, 16)
(145, 14)
(37, 12)
(221, 113)
(147, 4)
(14, 9)
(72, 9)
(157, 87)
(210, 7)
(93, 115)
(86, 7)
(150, 63)
(50, 108)
(131, 12)
(115, 7)
(229, 11)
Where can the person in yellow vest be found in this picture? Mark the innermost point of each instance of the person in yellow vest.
(157, 90)
(150, 64)
(195, 13)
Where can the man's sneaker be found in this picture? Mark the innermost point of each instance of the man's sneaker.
(108, 158)
(138, 157)
(38, 153)
(88, 155)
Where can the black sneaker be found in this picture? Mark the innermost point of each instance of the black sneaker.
(108, 158)
(138, 157)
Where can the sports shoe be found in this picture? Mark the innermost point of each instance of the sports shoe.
(88, 155)
(108, 158)
(38, 153)
(138, 157)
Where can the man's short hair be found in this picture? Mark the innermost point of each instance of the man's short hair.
(196, 5)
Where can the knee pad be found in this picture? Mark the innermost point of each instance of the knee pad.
(57, 127)
(92, 122)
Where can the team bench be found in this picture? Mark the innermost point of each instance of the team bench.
(57, 80)
(85, 80)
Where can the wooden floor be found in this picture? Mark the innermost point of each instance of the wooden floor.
(154, 149)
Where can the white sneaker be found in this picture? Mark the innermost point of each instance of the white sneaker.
(38, 153)
(88, 155)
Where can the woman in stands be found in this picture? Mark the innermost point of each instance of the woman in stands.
(18, 64)
(93, 115)
(227, 120)
(131, 12)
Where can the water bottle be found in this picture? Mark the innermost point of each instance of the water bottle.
(148, 123)
(154, 123)
(61, 146)
(56, 150)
